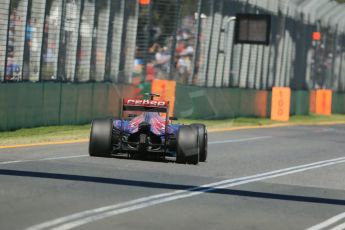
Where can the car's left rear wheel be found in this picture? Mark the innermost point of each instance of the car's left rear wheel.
(100, 144)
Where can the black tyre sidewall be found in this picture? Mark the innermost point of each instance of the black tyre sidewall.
(203, 138)
(187, 145)
(100, 144)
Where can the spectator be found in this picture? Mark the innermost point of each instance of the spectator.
(162, 62)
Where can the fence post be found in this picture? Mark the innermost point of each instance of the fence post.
(334, 51)
(116, 41)
(132, 11)
(209, 43)
(172, 73)
(283, 63)
(107, 72)
(221, 12)
(148, 39)
(20, 23)
(7, 37)
(26, 51)
(228, 51)
(61, 69)
(42, 42)
(75, 78)
(197, 43)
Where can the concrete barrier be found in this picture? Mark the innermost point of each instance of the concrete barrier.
(338, 103)
(299, 102)
(25, 105)
(217, 103)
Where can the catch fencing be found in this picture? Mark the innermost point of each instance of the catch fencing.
(190, 41)
(201, 50)
(67, 40)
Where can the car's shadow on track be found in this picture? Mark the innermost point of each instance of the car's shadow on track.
(157, 185)
(145, 158)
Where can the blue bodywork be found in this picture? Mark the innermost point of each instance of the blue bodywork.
(153, 118)
(157, 127)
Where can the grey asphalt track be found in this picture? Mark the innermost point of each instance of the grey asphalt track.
(40, 184)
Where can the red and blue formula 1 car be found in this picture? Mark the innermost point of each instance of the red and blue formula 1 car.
(146, 129)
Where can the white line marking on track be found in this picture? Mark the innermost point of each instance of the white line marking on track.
(43, 159)
(239, 140)
(82, 218)
(328, 222)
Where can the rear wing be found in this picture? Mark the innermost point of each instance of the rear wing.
(145, 105)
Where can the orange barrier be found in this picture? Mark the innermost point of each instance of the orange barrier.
(321, 102)
(144, 2)
(261, 103)
(166, 89)
(280, 108)
(312, 101)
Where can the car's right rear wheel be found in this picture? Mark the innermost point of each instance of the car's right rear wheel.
(203, 138)
(100, 144)
(187, 145)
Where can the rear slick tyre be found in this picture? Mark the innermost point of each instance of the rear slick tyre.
(187, 146)
(203, 138)
(100, 144)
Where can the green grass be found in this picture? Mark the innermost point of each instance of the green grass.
(315, 119)
(74, 132)
(239, 122)
(45, 134)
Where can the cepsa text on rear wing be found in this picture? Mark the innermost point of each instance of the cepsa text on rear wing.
(145, 105)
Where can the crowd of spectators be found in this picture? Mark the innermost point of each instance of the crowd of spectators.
(18, 28)
(159, 56)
